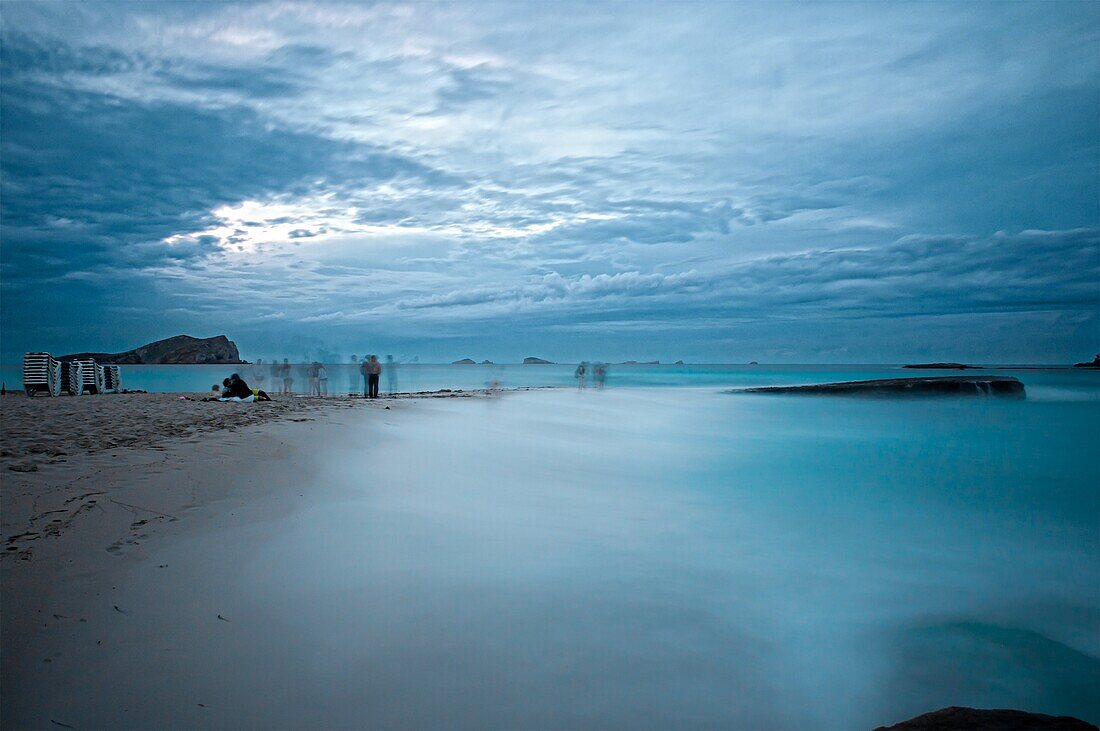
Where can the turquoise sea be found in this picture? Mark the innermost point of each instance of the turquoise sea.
(345, 378)
(656, 554)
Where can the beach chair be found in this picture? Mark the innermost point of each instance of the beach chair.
(41, 374)
(72, 378)
(112, 379)
(91, 380)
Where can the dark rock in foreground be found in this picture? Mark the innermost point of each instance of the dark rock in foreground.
(932, 386)
(179, 350)
(1094, 364)
(942, 366)
(956, 718)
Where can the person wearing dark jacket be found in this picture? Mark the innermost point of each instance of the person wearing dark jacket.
(236, 386)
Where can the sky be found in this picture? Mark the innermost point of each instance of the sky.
(717, 182)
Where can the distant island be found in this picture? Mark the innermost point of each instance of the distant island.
(486, 362)
(464, 361)
(641, 362)
(942, 366)
(178, 350)
(1094, 364)
(536, 361)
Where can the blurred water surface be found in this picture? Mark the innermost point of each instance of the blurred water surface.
(638, 558)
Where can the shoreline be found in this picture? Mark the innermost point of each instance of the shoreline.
(52, 445)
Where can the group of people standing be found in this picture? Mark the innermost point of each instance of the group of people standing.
(282, 376)
(316, 375)
(598, 371)
(371, 371)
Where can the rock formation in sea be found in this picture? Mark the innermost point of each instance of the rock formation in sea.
(957, 718)
(933, 386)
(486, 362)
(464, 361)
(536, 361)
(942, 366)
(178, 350)
(641, 362)
(1094, 364)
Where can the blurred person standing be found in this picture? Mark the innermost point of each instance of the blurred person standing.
(288, 378)
(601, 374)
(322, 380)
(353, 383)
(257, 374)
(391, 374)
(374, 373)
(311, 379)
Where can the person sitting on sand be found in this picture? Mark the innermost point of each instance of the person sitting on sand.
(241, 388)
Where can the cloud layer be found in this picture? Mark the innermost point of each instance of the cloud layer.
(709, 181)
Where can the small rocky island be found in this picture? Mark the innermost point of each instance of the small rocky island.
(536, 361)
(932, 386)
(464, 361)
(178, 350)
(1094, 364)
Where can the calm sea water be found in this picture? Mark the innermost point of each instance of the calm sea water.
(345, 378)
(636, 558)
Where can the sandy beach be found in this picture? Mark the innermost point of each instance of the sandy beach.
(87, 481)
(56, 452)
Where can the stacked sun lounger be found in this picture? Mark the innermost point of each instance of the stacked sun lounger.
(91, 376)
(112, 379)
(41, 374)
(72, 378)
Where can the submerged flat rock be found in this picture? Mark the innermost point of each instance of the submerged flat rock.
(930, 386)
(957, 718)
(941, 366)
